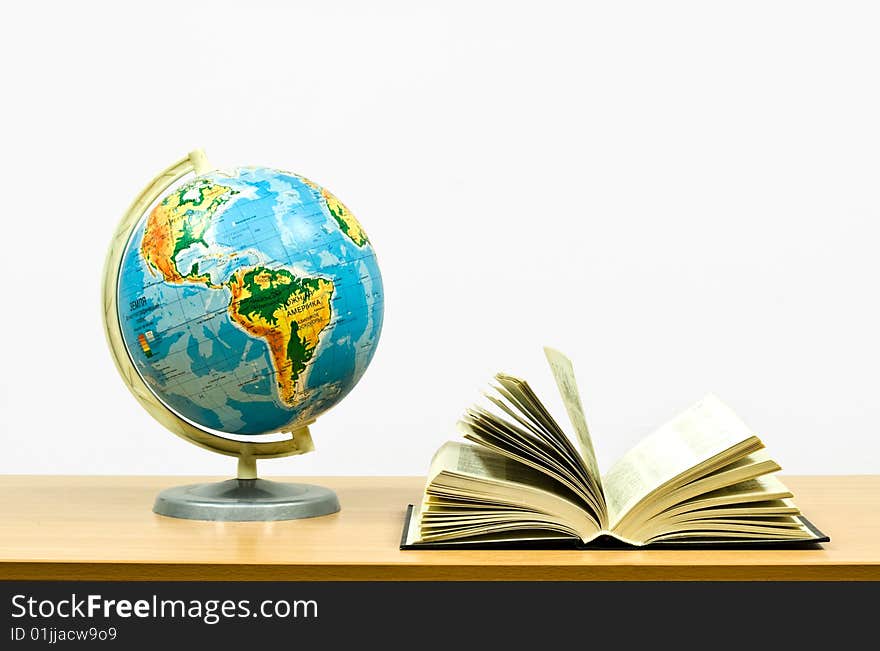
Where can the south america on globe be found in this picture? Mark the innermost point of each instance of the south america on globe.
(249, 301)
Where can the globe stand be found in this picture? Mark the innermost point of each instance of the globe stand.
(246, 498)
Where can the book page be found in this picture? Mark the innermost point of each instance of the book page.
(473, 491)
(563, 373)
(768, 487)
(702, 432)
(516, 424)
(781, 528)
(480, 462)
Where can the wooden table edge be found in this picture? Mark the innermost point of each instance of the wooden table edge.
(67, 571)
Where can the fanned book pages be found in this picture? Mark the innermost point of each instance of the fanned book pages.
(702, 479)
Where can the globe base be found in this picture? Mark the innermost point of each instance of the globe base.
(246, 500)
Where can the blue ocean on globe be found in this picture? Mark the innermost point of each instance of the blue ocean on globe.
(250, 301)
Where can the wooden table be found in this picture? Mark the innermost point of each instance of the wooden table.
(102, 528)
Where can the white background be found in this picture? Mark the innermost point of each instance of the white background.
(682, 196)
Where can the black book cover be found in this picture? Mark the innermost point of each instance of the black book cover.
(609, 543)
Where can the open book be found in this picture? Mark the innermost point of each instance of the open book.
(702, 478)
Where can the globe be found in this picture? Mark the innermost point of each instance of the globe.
(249, 301)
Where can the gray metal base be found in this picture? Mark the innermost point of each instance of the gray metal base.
(246, 500)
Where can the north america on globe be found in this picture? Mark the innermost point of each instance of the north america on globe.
(250, 301)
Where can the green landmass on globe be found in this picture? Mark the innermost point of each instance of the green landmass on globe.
(288, 312)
